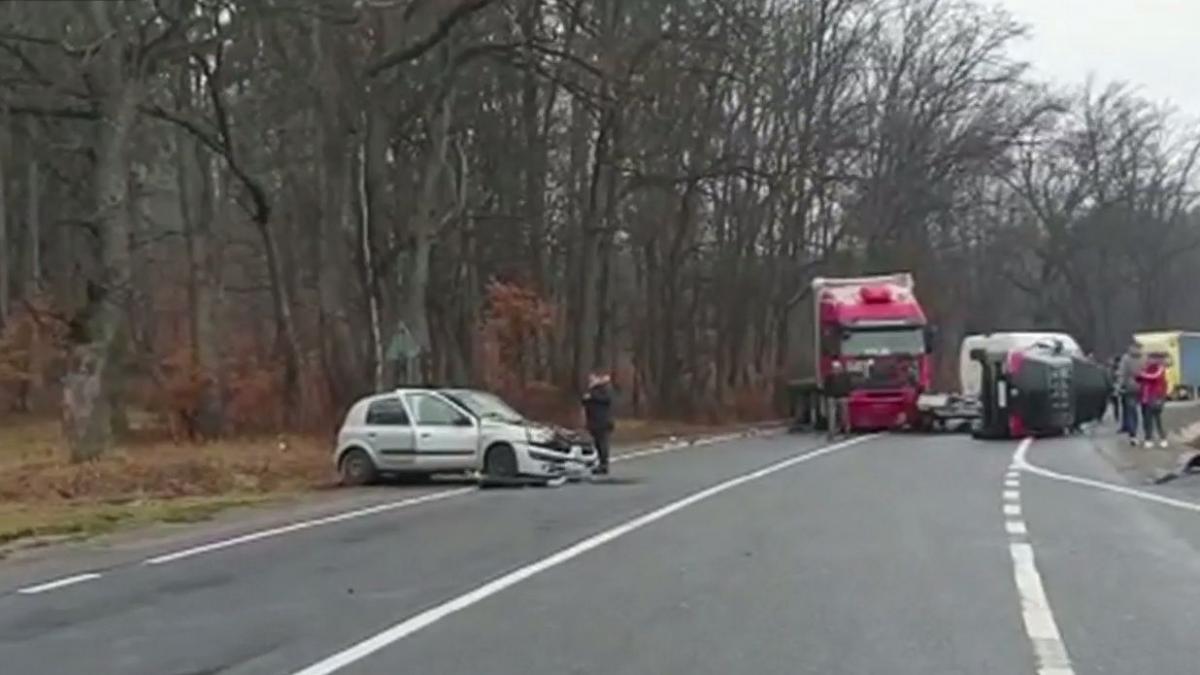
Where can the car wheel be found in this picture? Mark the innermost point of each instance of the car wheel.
(356, 468)
(500, 462)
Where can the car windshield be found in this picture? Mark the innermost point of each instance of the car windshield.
(486, 406)
(883, 341)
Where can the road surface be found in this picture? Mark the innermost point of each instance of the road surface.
(891, 554)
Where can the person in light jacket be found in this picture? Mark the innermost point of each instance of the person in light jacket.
(1127, 384)
(597, 409)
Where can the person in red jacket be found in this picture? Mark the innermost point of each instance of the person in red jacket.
(1152, 393)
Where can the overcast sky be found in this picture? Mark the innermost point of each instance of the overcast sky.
(1153, 45)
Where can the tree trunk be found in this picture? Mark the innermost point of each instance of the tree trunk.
(286, 342)
(586, 348)
(100, 328)
(534, 166)
(34, 229)
(31, 388)
(5, 260)
(372, 177)
(416, 273)
(198, 196)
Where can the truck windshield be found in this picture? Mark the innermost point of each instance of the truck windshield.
(883, 341)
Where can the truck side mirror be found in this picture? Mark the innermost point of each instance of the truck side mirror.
(978, 354)
(931, 333)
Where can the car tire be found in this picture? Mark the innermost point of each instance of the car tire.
(356, 468)
(500, 462)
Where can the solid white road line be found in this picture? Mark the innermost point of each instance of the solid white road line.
(304, 525)
(430, 616)
(1036, 470)
(1048, 647)
(58, 583)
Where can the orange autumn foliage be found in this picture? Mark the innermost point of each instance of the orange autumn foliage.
(32, 346)
(517, 333)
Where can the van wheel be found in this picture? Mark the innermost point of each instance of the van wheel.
(500, 462)
(356, 468)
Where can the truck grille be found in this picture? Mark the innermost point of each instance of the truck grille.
(881, 373)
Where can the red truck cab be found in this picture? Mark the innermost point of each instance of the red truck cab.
(873, 333)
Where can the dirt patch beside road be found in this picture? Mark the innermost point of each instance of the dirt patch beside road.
(1147, 465)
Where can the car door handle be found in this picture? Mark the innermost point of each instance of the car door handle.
(371, 434)
(426, 434)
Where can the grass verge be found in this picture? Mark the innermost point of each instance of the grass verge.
(44, 498)
(32, 524)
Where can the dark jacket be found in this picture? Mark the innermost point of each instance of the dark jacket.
(597, 406)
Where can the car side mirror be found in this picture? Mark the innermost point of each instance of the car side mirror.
(464, 422)
(978, 354)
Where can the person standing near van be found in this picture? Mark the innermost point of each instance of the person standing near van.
(1127, 382)
(597, 409)
(1153, 394)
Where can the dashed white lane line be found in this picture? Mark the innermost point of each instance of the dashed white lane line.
(58, 583)
(1048, 647)
(1016, 527)
(431, 616)
(1012, 510)
(1011, 495)
(304, 525)
(357, 513)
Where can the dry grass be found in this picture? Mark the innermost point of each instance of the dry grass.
(43, 496)
(44, 522)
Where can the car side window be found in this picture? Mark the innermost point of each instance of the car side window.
(387, 412)
(434, 412)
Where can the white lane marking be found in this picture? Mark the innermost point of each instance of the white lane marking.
(391, 506)
(58, 583)
(1012, 483)
(1048, 647)
(1101, 485)
(430, 616)
(1012, 510)
(1016, 527)
(1011, 496)
(304, 525)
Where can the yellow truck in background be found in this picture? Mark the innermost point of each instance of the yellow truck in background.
(1181, 349)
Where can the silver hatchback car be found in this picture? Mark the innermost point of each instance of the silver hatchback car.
(427, 431)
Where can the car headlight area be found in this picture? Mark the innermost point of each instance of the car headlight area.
(540, 461)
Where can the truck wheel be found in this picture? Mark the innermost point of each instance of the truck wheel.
(356, 468)
(500, 462)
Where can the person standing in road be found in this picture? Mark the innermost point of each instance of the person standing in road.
(597, 408)
(1153, 395)
(1114, 371)
(1127, 383)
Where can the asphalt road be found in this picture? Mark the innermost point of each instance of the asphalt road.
(894, 554)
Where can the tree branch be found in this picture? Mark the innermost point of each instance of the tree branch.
(414, 51)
